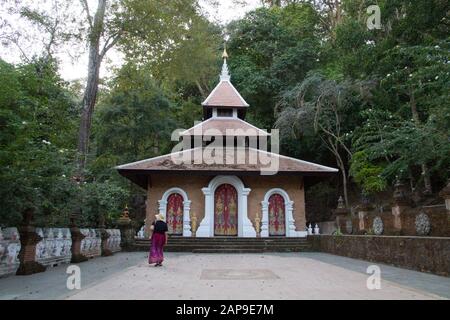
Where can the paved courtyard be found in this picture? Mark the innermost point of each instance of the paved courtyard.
(227, 276)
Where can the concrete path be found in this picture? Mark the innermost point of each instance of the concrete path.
(227, 276)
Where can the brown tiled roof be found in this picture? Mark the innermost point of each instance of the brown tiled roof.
(222, 125)
(199, 162)
(225, 95)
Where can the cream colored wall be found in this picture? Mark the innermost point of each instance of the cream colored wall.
(259, 185)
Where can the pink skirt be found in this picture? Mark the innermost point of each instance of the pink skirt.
(156, 249)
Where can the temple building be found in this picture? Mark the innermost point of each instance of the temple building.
(221, 181)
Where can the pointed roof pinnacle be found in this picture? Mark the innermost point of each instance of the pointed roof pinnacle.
(225, 74)
(225, 54)
(225, 94)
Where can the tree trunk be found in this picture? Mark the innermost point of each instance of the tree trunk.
(337, 4)
(333, 147)
(424, 167)
(200, 88)
(341, 166)
(91, 90)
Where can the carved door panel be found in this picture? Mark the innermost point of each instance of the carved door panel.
(277, 214)
(174, 214)
(225, 211)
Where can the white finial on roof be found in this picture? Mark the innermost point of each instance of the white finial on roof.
(225, 74)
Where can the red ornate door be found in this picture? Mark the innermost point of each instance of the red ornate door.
(174, 214)
(277, 225)
(225, 211)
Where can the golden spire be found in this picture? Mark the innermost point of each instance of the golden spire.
(225, 54)
(225, 75)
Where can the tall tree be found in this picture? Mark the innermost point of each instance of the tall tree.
(96, 55)
(323, 106)
(38, 119)
(144, 28)
(136, 24)
(195, 60)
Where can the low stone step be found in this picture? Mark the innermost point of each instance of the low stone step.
(227, 251)
(244, 250)
(229, 245)
(225, 245)
(227, 248)
(233, 243)
(237, 246)
(213, 241)
(237, 239)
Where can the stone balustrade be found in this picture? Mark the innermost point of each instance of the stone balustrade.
(91, 244)
(9, 251)
(55, 247)
(26, 250)
(113, 241)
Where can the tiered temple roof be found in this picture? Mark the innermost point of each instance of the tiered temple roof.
(225, 95)
(199, 160)
(224, 124)
(224, 109)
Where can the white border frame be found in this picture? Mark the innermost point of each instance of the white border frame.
(186, 208)
(288, 215)
(245, 227)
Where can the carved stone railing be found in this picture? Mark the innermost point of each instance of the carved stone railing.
(91, 244)
(55, 247)
(113, 242)
(50, 247)
(9, 251)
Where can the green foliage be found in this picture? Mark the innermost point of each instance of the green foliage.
(102, 197)
(374, 102)
(37, 127)
(397, 120)
(135, 120)
(367, 175)
(271, 49)
(194, 62)
(411, 126)
(150, 29)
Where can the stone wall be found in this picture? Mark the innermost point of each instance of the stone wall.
(9, 251)
(401, 219)
(427, 254)
(422, 221)
(327, 227)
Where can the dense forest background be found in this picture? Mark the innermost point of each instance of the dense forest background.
(372, 102)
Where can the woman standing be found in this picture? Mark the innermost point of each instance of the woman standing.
(159, 239)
